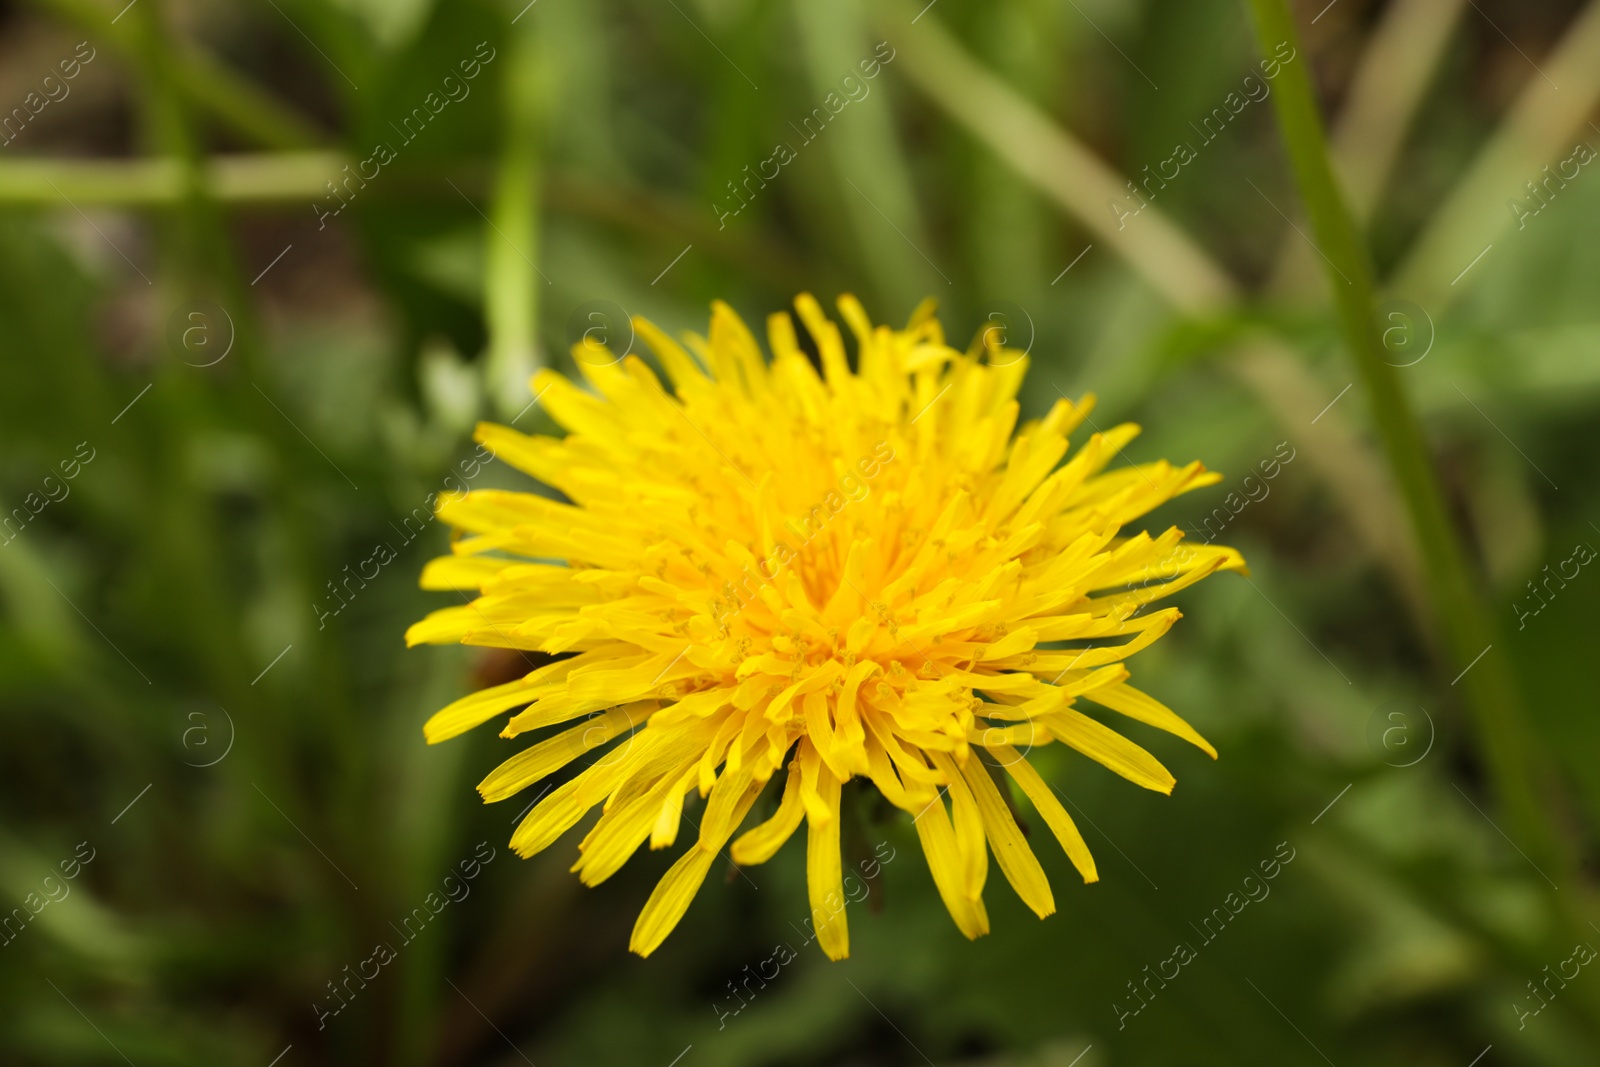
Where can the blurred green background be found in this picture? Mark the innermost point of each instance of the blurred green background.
(231, 369)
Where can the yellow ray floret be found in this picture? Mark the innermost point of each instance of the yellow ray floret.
(801, 569)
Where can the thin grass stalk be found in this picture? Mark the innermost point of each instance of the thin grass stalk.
(512, 282)
(863, 147)
(1478, 658)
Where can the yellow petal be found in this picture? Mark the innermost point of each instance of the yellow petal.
(561, 810)
(1137, 705)
(824, 878)
(475, 710)
(968, 822)
(760, 844)
(1045, 803)
(624, 826)
(670, 899)
(462, 572)
(1109, 748)
(730, 801)
(945, 864)
(532, 764)
(1016, 859)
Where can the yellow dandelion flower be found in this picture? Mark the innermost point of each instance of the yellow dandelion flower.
(851, 573)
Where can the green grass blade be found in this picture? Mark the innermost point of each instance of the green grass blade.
(1474, 648)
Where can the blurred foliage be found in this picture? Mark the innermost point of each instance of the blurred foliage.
(246, 765)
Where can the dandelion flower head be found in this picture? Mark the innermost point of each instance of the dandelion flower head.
(812, 570)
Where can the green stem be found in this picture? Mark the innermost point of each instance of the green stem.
(867, 158)
(267, 180)
(160, 182)
(171, 134)
(512, 281)
(1479, 658)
